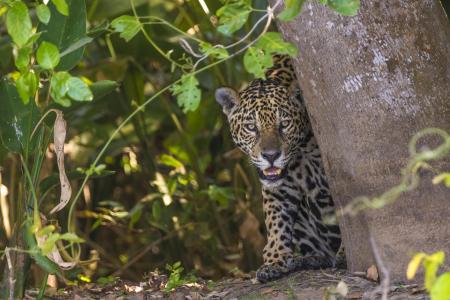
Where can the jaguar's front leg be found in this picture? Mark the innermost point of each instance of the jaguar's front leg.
(278, 252)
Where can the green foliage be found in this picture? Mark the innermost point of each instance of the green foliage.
(437, 286)
(233, 15)
(61, 6)
(47, 55)
(18, 23)
(193, 198)
(78, 90)
(43, 13)
(344, 7)
(126, 26)
(65, 30)
(17, 119)
(444, 178)
(26, 86)
(291, 10)
(175, 277)
(258, 59)
(216, 52)
(187, 92)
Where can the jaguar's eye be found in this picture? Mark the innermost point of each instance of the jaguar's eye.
(250, 127)
(284, 124)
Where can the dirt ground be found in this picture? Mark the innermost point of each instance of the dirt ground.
(302, 285)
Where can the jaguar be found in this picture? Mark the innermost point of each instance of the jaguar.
(269, 123)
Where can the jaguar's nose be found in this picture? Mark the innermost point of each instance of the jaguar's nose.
(271, 155)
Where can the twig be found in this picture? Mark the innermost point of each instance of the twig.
(385, 282)
(10, 274)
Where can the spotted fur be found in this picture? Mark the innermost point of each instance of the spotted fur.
(269, 122)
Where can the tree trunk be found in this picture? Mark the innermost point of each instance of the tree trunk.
(370, 82)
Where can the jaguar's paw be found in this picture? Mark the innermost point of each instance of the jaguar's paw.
(268, 272)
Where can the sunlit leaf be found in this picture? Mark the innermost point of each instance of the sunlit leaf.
(187, 92)
(71, 237)
(256, 61)
(233, 16)
(26, 86)
(78, 90)
(441, 288)
(43, 13)
(345, 7)
(272, 42)
(59, 88)
(127, 26)
(443, 177)
(291, 10)
(47, 55)
(414, 265)
(431, 265)
(50, 243)
(18, 23)
(217, 52)
(46, 230)
(61, 6)
(23, 58)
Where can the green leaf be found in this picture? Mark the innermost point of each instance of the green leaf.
(443, 177)
(102, 88)
(157, 210)
(77, 45)
(17, 120)
(220, 194)
(233, 16)
(272, 42)
(50, 243)
(47, 55)
(127, 26)
(187, 92)
(217, 52)
(256, 61)
(18, 23)
(61, 6)
(431, 265)
(79, 90)
(291, 10)
(71, 237)
(171, 161)
(441, 288)
(43, 13)
(26, 86)
(65, 31)
(345, 7)
(59, 88)
(46, 230)
(23, 58)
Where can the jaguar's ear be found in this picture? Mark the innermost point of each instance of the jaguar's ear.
(228, 98)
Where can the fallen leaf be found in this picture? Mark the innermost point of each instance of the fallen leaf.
(372, 273)
(59, 136)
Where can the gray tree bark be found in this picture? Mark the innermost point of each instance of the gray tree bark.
(370, 82)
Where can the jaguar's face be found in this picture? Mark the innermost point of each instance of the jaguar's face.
(266, 123)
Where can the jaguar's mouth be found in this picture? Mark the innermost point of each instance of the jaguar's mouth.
(272, 174)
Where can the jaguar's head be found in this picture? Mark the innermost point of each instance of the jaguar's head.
(267, 122)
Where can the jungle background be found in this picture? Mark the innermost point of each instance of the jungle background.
(171, 186)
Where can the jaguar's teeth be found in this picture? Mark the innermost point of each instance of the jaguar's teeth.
(273, 171)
